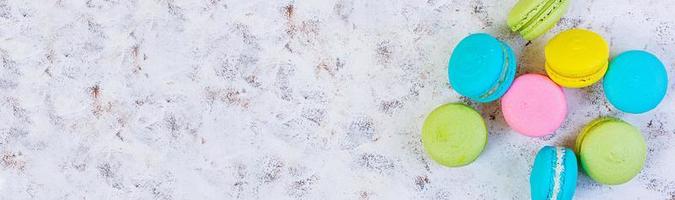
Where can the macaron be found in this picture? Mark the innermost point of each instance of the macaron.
(534, 105)
(576, 58)
(554, 174)
(611, 151)
(481, 67)
(532, 18)
(454, 135)
(636, 82)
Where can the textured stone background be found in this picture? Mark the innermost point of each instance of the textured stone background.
(306, 99)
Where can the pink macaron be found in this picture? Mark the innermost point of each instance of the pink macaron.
(534, 105)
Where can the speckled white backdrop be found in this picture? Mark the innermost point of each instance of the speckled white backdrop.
(305, 99)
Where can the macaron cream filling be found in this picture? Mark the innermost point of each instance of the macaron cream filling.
(558, 179)
(502, 76)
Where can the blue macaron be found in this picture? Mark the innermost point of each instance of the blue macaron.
(636, 82)
(482, 68)
(554, 174)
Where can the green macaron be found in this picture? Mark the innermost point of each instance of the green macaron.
(454, 134)
(611, 151)
(532, 18)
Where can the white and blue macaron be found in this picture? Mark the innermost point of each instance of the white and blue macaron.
(554, 174)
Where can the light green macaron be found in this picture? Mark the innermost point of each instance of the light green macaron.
(611, 151)
(454, 135)
(532, 18)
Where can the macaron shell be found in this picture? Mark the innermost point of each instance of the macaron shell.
(576, 52)
(612, 152)
(477, 65)
(454, 135)
(534, 106)
(578, 55)
(636, 82)
(586, 129)
(542, 174)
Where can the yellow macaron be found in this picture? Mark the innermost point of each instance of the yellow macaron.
(576, 58)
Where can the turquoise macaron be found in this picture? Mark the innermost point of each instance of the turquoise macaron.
(554, 174)
(481, 67)
(636, 82)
